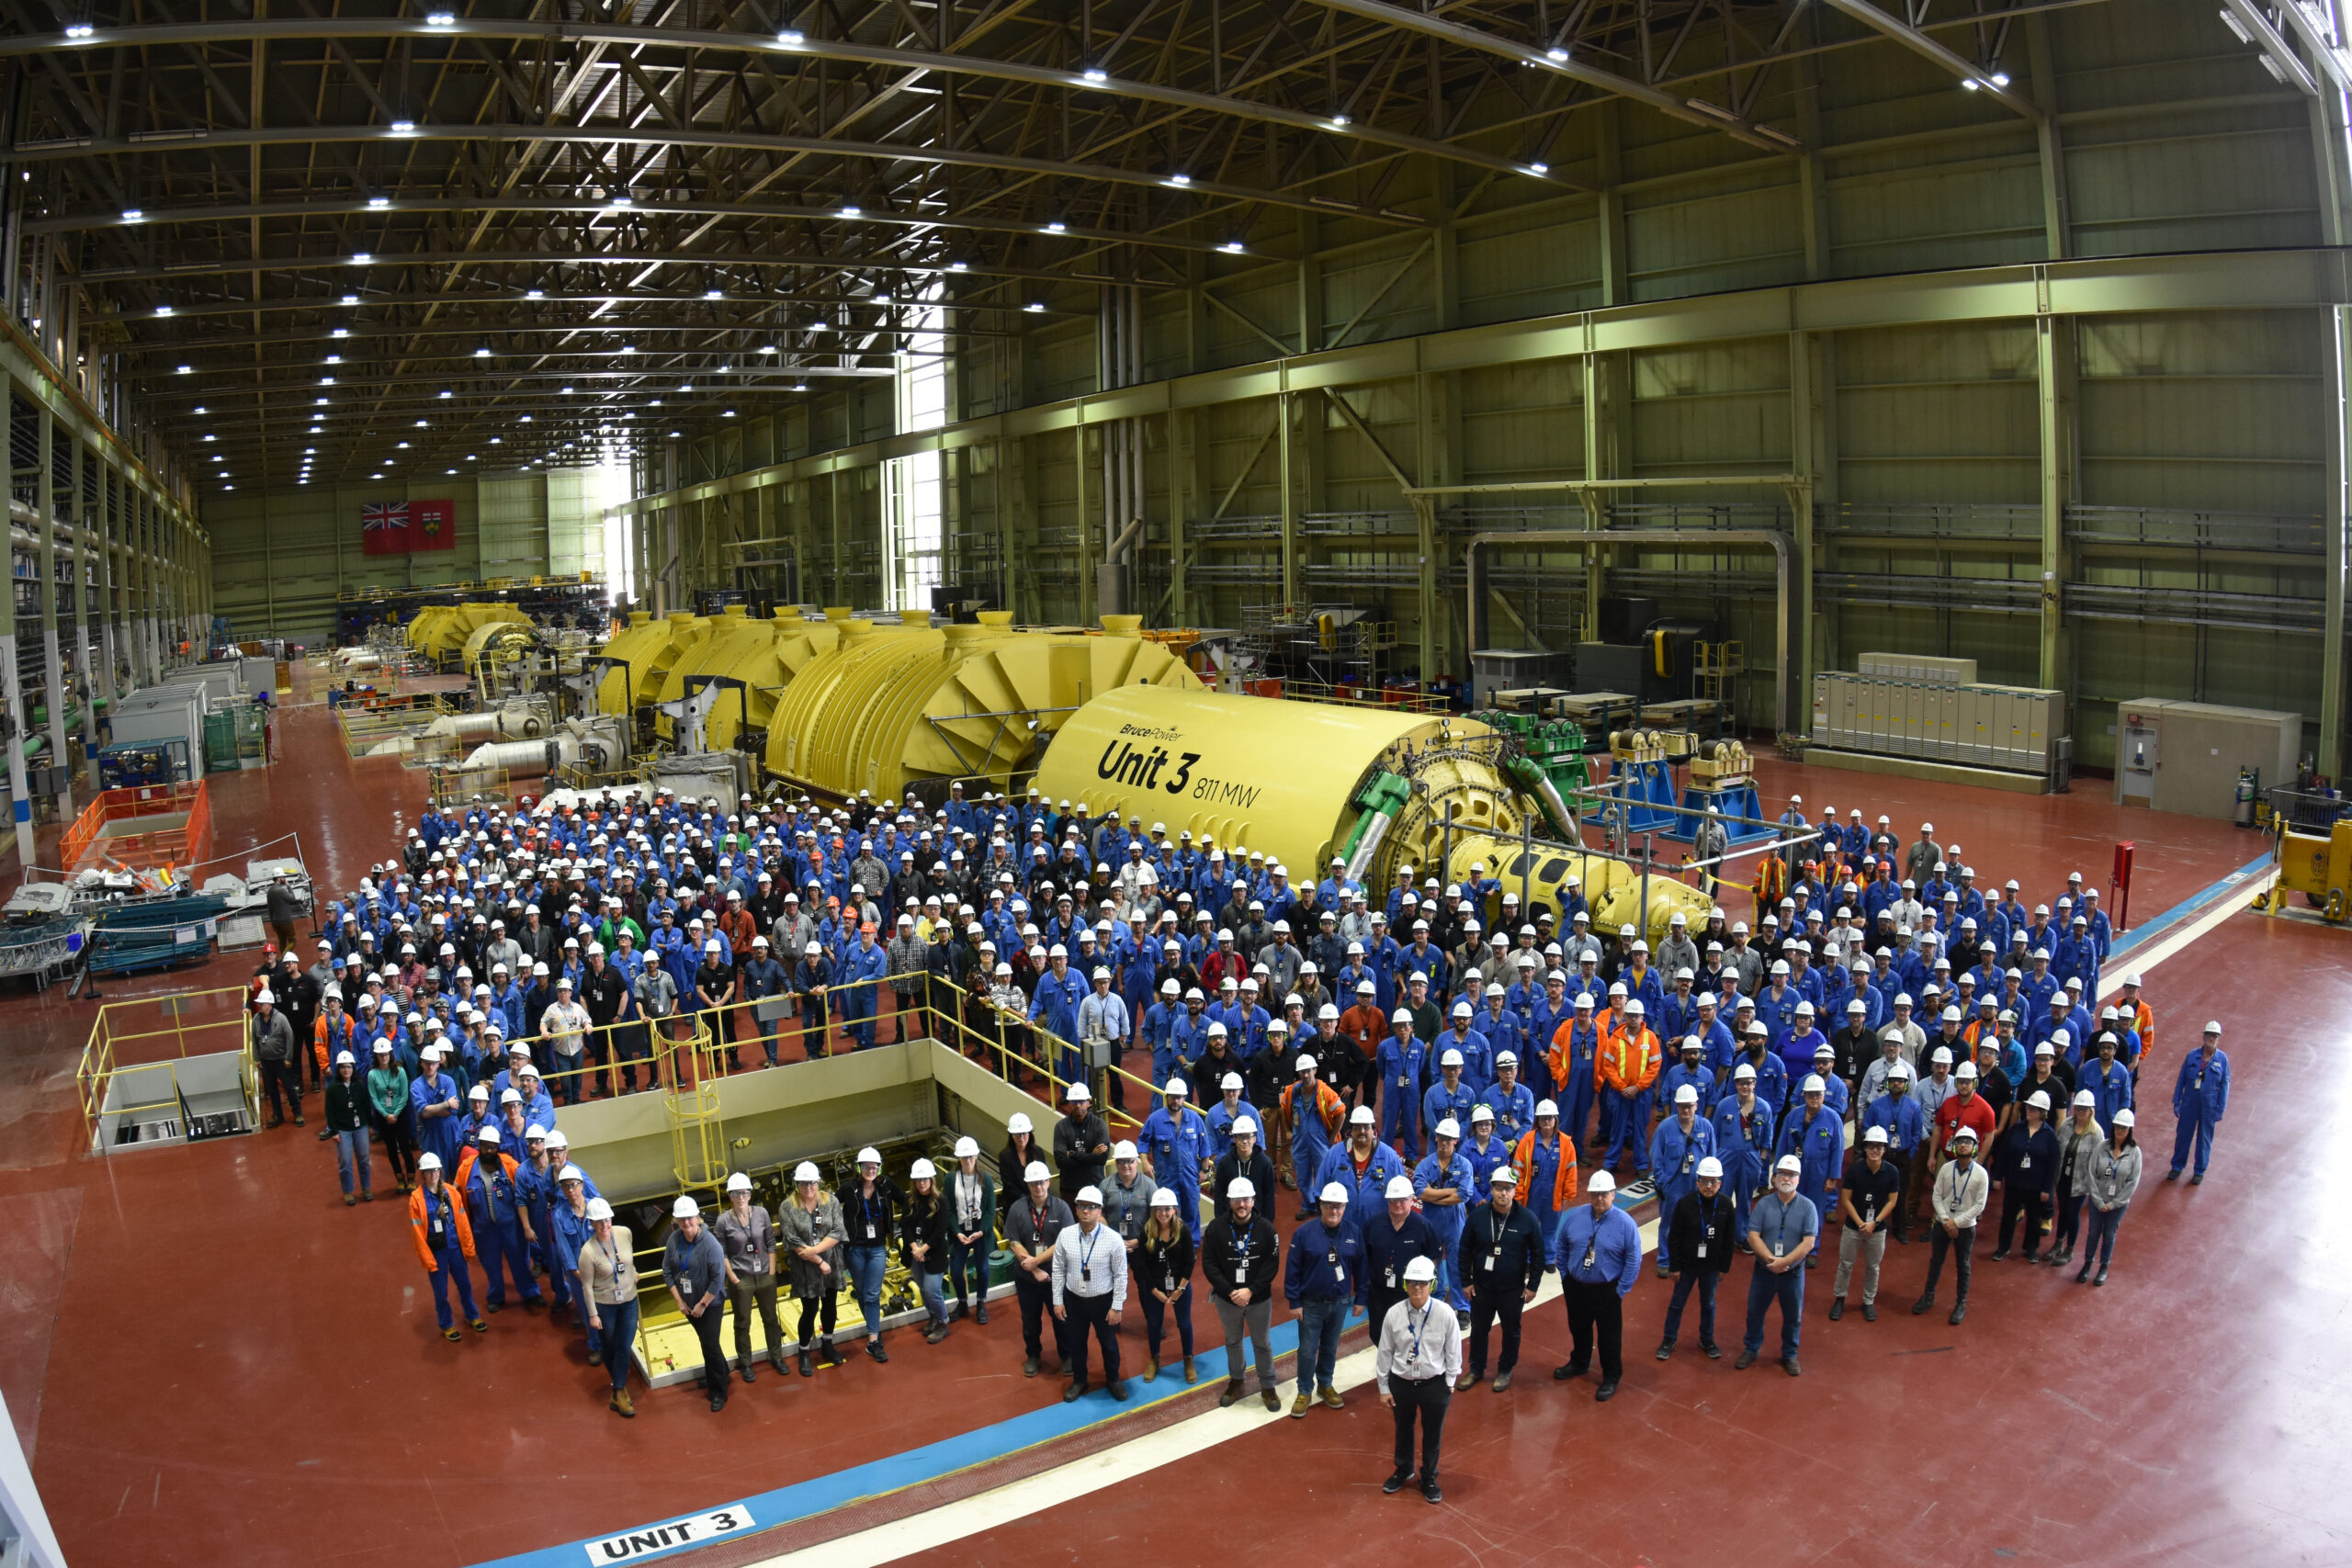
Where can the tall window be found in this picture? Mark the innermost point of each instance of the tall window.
(914, 516)
(604, 484)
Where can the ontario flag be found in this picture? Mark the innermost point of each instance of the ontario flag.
(397, 527)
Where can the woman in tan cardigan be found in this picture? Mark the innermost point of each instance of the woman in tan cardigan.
(608, 1274)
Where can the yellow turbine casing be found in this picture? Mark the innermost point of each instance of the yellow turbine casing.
(883, 711)
(1282, 777)
(764, 655)
(440, 631)
(652, 648)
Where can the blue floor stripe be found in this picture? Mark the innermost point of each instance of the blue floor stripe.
(822, 1495)
(878, 1478)
(2188, 908)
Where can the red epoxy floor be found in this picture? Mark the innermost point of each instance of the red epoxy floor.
(208, 1356)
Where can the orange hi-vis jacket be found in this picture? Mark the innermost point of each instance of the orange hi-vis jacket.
(1563, 1178)
(1629, 1061)
(420, 1216)
(1328, 1105)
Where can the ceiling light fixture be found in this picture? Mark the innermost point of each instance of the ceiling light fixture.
(134, 215)
(1180, 180)
(1231, 247)
(79, 29)
(790, 38)
(852, 211)
(404, 127)
(534, 294)
(1094, 76)
(186, 370)
(163, 310)
(351, 299)
(363, 258)
(379, 203)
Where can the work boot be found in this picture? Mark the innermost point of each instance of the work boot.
(2100, 1278)
(1299, 1408)
(1231, 1396)
(980, 1312)
(1274, 1400)
(1119, 1390)
(1331, 1397)
(1029, 1368)
(1923, 1304)
(743, 1367)
(1746, 1359)
(595, 1357)
(1462, 1383)
(934, 1334)
(2084, 1273)
(1151, 1369)
(1072, 1390)
(828, 1355)
(480, 1326)
(348, 1199)
(1870, 1312)
(775, 1360)
(2057, 1259)
(1715, 1352)
(1192, 1373)
(1958, 1311)
(621, 1405)
(1836, 1308)
(806, 1371)
(367, 1195)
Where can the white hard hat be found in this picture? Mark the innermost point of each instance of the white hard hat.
(1792, 1163)
(598, 1209)
(1813, 1085)
(1036, 1171)
(1176, 1086)
(2038, 1100)
(1875, 1135)
(806, 1171)
(1451, 1059)
(2124, 1118)
(1078, 1091)
(1546, 1108)
(1240, 1187)
(1122, 1149)
(922, 1169)
(1601, 1182)
(1018, 1123)
(738, 1182)
(686, 1208)
(1448, 1127)
(1399, 1187)
(1710, 1169)
(1362, 1116)
(1420, 1271)
(428, 1161)
(869, 1156)
(263, 996)
(1687, 1094)
(1243, 1127)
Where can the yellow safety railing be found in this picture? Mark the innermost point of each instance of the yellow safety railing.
(199, 1024)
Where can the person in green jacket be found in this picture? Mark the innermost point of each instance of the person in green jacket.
(348, 1108)
(392, 1115)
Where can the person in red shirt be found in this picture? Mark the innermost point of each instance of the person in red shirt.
(1966, 1108)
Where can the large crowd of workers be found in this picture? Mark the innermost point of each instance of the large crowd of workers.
(1452, 1085)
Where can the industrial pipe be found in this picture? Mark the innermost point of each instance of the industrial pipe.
(1784, 674)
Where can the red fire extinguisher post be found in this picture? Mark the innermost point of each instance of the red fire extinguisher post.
(2119, 886)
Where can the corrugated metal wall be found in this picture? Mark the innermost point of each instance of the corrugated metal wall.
(2194, 443)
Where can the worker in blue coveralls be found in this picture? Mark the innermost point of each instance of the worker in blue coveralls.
(1816, 1135)
(856, 976)
(1680, 1142)
(1690, 1069)
(1485, 1149)
(1176, 1144)
(2108, 1079)
(1442, 1184)
(1744, 1122)
(1512, 1102)
(1054, 1007)
(2200, 1098)
(1365, 1166)
(501, 1227)
(1401, 1060)
(1450, 1097)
